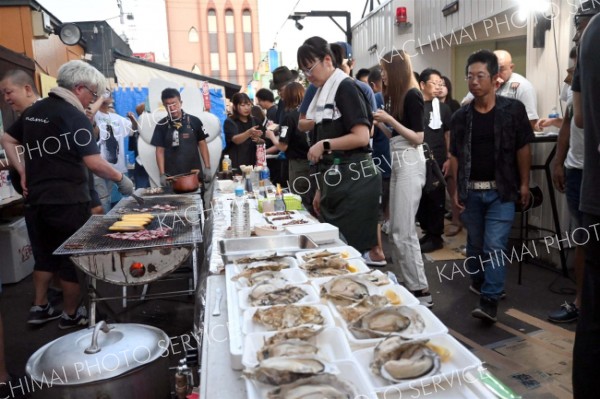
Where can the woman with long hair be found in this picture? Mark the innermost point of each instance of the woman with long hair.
(349, 184)
(241, 132)
(294, 143)
(446, 95)
(402, 121)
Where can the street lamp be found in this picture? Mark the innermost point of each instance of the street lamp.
(297, 16)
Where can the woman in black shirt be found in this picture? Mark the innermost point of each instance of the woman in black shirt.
(402, 122)
(241, 132)
(294, 143)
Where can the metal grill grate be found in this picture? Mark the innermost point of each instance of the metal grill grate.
(183, 204)
(91, 237)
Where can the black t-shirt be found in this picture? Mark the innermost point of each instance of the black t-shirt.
(183, 157)
(295, 139)
(243, 153)
(482, 146)
(413, 112)
(435, 138)
(272, 113)
(55, 137)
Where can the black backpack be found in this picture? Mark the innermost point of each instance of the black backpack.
(112, 145)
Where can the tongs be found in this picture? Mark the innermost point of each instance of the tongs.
(138, 199)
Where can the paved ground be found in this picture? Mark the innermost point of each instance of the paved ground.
(453, 303)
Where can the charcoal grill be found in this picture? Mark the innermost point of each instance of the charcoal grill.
(112, 260)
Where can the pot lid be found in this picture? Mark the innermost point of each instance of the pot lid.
(74, 360)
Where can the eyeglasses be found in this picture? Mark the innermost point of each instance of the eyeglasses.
(437, 84)
(308, 72)
(479, 76)
(92, 92)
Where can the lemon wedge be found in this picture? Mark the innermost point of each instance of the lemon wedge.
(442, 352)
(393, 297)
(344, 255)
(352, 268)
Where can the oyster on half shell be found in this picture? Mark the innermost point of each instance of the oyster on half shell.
(284, 370)
(279, 296)
(397, 359)
(288, 316)
(249, 272)
(303, 332)
(354, 311)
(381, 322)
(290, 347)
(318, 387)
(345, 290)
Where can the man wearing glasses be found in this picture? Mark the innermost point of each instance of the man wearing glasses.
(490, 160)
(52, 147)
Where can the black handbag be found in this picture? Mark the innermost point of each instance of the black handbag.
(434, 177)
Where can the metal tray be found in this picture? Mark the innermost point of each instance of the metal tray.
(234, 248)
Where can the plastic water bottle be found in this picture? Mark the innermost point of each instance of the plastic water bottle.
(265, 174)
(240, 214)
(553, 114)
(226, 164)
(279, 202)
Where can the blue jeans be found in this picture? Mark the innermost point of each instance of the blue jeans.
(488, 222)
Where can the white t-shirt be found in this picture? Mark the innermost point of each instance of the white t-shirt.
(574, 159)
(121, 128)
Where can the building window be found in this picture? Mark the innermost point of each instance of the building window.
(229, 22)
(249, 61)
(212, 21)
(246, 22)
(232, 61)
(214, 62)
(193, 35)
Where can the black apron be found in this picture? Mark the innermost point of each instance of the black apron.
(186, 156)
(351, 203)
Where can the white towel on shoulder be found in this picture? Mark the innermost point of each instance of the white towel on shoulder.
(317, 110)
(435, 122)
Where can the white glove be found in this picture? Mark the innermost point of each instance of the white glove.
(163, 180)
(125, 185)
(207, 175)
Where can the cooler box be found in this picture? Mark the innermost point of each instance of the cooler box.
(17, 256)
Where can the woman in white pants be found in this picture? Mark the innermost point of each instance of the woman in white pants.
(402, 121)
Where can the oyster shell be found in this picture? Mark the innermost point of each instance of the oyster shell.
(251, 271)
(320, 254)
(281, 296)
(327, 272)
(265, 287)
(259, 277)
(323, 263)
(375, 277)
(383, 321)
(304, 332)
(353, 312)
(318, 387)
(345, 290)
(288, 316)
(284, 370)
(259, 258)
(290, 347)
(396, 359)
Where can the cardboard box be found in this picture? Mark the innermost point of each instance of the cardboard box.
(17, 255)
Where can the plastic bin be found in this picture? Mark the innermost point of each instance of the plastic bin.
(17, 255)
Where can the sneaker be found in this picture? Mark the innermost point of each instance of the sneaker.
(42, 314)
(475, 288)
(385, 227)
(432, 244)
(55, 296)
(367, 258)
(424, 298)
(77, 320)
(486, 310)
(567, 313)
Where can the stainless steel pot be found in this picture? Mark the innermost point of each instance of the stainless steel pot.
(120, 361)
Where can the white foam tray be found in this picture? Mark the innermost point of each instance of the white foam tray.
(310, 298)
(292, 275)
(452, 371)
(236, 338)
(331, 342)
(348, 371)
(249, 326)
(320, 233)
(351, 252)
(433, 326)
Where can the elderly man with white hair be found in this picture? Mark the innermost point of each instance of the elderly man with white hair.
(52, 146)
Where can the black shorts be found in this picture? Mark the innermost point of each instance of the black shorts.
(50, 226)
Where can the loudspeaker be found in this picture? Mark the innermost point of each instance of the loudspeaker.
(69, 34)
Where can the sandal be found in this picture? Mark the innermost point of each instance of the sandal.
(367, 258)
(452, 230)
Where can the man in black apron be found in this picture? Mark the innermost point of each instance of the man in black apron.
(180, 139)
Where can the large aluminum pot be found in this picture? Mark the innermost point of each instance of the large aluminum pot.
(120, 361)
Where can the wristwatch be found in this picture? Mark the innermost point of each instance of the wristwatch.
(327, 146)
